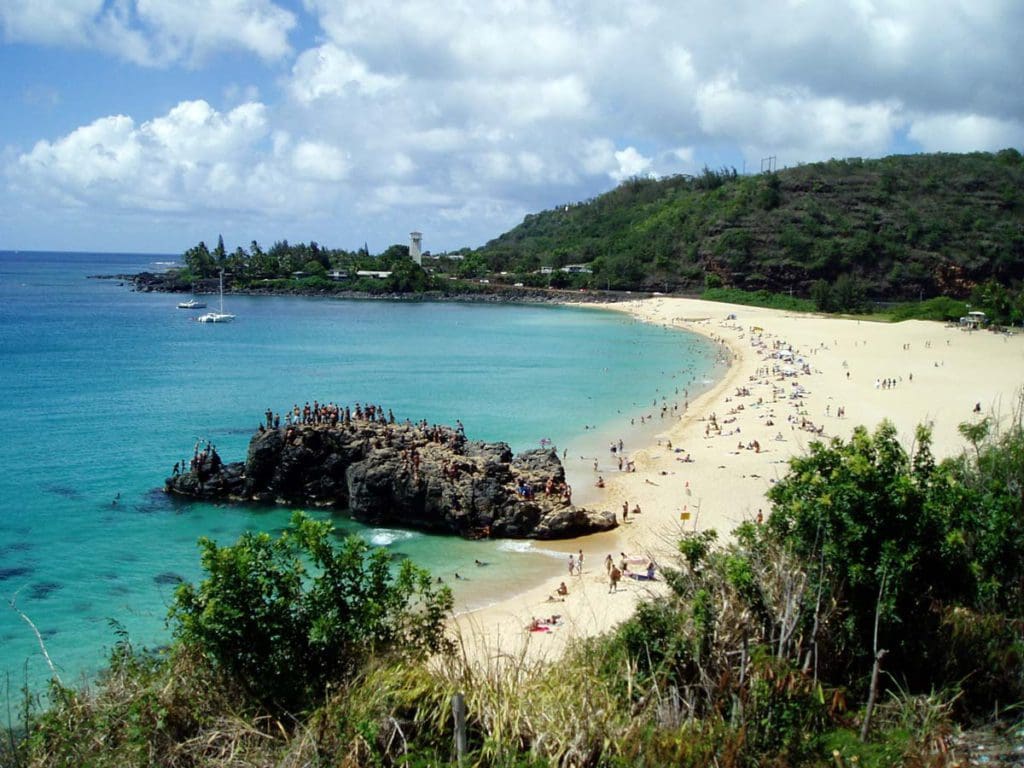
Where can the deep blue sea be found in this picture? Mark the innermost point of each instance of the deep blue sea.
(102, 389)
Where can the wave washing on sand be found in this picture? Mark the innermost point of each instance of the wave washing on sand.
(528, 547)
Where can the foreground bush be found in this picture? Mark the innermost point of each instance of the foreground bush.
(288, 616)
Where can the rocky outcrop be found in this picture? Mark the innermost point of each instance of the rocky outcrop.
(416, 476)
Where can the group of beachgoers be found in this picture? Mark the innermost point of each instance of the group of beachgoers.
(616, 449)
(327, 414)
(618, 570)
(205, 461)
(615, 569)
(552, 487)
(332, 415)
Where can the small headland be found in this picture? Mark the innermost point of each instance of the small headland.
(459, 291)
(363, 462)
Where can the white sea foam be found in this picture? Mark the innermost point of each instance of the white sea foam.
(384, 537)
(516, 545)
(526, 547)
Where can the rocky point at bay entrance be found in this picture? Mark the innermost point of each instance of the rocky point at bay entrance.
(413, 475)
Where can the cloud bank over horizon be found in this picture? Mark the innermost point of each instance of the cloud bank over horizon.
(359, 121)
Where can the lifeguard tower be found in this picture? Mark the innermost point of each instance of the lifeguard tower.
(972, 321)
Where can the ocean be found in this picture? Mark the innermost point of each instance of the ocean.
(103, 389)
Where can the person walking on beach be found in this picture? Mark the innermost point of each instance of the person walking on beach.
(579, 563)
(572, 565)
(613, 578)
(608, 564)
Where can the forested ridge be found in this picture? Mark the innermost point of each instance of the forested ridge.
(933, 232)
(903, 227)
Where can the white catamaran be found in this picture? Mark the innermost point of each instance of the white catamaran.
(217, 317)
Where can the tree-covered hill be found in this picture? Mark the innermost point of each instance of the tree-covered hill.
(902, 227)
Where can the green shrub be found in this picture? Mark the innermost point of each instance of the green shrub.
(759, 299)
(941, 308)
(286, 631)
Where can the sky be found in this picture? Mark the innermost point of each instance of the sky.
(148, 125)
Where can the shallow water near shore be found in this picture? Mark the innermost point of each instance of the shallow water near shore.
(103, 389)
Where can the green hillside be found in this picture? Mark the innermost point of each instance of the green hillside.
(902, 227)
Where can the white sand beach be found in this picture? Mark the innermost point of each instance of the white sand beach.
(794, 378)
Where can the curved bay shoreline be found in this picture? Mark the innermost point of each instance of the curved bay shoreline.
(841, 361)
(778, 402)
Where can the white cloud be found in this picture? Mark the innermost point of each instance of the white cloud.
(528, 101)
(192, 156)
(55, 22)
(107, 151)
(466, 116)
(965, 133)
(630, 163)
(152, 32)
(794, 122)
(195, 132)
(236, 94)
(597, 156)
(321, 162)
(329, 71)
(401, 165)
(684, 155)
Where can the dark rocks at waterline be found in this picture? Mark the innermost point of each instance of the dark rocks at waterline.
(15, 546)
(13, 572)
(167, 579)
(414, 476)
(43, 589)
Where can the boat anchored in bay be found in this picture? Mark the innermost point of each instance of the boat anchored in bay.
(221, 316)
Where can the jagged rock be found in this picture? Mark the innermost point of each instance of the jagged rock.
(416, 476)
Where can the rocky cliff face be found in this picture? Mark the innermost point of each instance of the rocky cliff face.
(415, 476)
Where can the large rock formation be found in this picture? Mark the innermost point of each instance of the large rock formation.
(400, 474)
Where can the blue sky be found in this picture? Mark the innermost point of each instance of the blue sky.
(147, 125)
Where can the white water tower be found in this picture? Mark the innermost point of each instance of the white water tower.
(415, 249)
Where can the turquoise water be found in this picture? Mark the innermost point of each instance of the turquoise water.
(103, 389)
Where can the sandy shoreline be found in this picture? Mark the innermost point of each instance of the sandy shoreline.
(939, 375)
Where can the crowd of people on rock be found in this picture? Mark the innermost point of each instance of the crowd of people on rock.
(333, 415)
(205, 461)
(330, 415)
(408, 437)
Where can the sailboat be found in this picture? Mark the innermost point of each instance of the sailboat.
(192, 303)
(217, 317)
